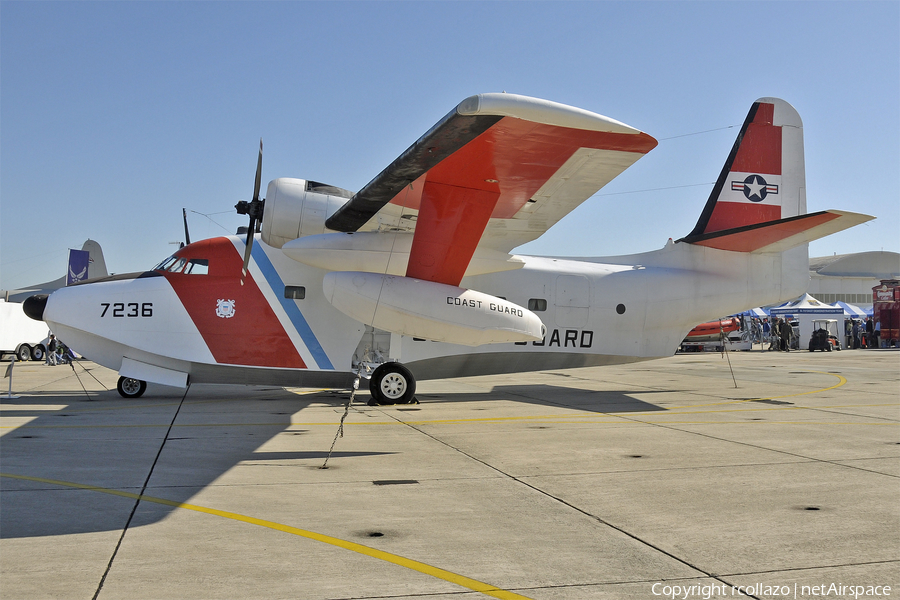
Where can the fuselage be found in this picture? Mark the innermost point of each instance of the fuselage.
(192, 315)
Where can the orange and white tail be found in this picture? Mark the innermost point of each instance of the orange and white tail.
(759, 201)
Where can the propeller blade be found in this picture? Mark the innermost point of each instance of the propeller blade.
(255, 209)
(258, 174)
(248, 248)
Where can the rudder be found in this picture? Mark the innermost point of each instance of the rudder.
(764, 178)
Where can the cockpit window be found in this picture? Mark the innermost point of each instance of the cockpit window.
(197, 266)
(176, 264)
(164, 265)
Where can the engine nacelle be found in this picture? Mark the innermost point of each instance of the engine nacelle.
(296, 208)
(434, 311)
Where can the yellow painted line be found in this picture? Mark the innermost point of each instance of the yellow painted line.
(158, 425)
(460, 580)
(599, 418)
(841, 381)
(758, 423)
(11, 409)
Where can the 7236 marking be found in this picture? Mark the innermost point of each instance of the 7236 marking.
(132, 309)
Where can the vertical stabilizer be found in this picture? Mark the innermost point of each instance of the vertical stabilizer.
(97, 266)
(764, 178)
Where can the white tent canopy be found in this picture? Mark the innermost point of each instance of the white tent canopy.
(804, 310)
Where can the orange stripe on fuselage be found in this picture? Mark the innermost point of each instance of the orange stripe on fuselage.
(253, 336)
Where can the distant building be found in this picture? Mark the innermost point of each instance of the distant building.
(851, 277)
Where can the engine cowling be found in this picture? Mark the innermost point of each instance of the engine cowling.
(297, 207)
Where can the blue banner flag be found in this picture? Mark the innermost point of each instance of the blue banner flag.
(78, 266)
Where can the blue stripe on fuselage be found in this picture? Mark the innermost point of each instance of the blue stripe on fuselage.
(290, 307)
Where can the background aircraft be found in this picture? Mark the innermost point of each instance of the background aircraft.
(20, 335)
(96, 268)
(413, 278)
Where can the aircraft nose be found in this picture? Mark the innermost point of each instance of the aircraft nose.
(34, 306)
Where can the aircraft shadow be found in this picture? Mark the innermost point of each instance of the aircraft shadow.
(599, 401)
(110, 443)
(89, 442)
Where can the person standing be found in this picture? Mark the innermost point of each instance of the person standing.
(855, 332)
(786, 331)
(774, 338)
(51, 351)
(870, 333)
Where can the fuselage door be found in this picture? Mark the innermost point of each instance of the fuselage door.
(572, 300)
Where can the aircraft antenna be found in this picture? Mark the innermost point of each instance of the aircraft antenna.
(187, 235)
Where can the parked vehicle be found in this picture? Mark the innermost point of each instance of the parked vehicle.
(19, 334)
(824, 336)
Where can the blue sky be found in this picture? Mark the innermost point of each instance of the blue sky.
(116, 115)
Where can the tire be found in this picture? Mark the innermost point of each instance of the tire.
(38, 353)
(23, 353)
(131, 388)
(392, 383)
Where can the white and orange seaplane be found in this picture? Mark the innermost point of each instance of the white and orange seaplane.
(412, 277)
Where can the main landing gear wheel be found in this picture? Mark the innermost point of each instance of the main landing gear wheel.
(131, 388)
(392, 383)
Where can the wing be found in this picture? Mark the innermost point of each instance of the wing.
(495, 173)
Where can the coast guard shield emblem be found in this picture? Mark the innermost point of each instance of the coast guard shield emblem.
(225, 308)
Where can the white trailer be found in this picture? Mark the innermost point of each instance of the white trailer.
(20, 334)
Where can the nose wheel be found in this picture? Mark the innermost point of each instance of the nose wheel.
(131, 388)
(392, 383)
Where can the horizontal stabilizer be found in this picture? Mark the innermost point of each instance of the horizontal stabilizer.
(780, 235)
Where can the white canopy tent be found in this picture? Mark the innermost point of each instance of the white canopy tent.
(804, 311)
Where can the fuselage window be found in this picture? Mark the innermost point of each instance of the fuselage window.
(294, 292)
(537, 304)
